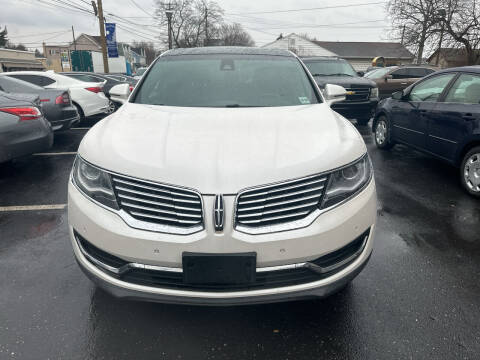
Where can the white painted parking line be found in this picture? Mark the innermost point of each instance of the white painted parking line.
(56, 153)
(33, 207)
(80, 128)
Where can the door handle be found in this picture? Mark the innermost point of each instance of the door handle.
(468, 117)
(403, 83)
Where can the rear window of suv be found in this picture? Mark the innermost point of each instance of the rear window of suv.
(219, 80)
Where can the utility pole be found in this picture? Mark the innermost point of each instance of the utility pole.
(103, 40)
(206, 26)
(74, 41)
(403, 34)
(443, 14)
(169, 13)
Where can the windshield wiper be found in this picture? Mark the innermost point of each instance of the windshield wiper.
(339, 74)
(238, 106)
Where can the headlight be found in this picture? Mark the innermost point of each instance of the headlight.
(346, 182)
(94, 183)
(374, 92)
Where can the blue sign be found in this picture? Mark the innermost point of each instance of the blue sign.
(111, 40)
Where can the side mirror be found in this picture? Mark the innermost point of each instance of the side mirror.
(388, 77)
(398, 95)
(120, 93)
(334, 93)
(360, 73)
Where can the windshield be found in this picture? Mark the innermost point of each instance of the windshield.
(226, 81)
(330, 68)
(378, 73)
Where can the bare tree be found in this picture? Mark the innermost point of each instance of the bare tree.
(414, 21)
(148, 49)
(194, 22)
(461, 23)
(234, 35)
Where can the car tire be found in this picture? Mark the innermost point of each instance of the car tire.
(80, 112)
(381, 133)
(470, 172)
(112, 107)
(363, 121)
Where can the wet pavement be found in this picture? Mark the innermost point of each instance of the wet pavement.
(418, 298)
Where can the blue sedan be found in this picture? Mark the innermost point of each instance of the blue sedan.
(439, 115)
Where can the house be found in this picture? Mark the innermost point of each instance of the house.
(57, 57)
(86, 55)
(299, 46)
(18, 60)
(359, 54)
(450, 57)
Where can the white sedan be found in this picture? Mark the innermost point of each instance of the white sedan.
(225, 178)
(88, 98)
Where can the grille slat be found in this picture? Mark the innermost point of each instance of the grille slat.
(151, 202)
(149, 187)
(361, 94)
(283, 188)
(161, 211)
(157, 203)
(280, 203)
(267, 198)
(156, 217)
(268, 212)
(169, 198)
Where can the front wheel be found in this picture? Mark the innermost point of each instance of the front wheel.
(382, 133)
(470, 172)
(112, 107)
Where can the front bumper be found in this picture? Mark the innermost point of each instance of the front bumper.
(356, 110)
(329, 232)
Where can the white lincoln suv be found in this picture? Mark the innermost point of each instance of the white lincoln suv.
(224, 179)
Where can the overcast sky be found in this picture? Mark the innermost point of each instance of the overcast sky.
(28, 21)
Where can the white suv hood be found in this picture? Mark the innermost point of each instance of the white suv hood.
(218, 150)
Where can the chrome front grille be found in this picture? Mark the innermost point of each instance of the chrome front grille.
(278, 204)
(156, 203)
(359, 94)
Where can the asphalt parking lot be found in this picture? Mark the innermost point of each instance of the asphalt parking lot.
(418, 298)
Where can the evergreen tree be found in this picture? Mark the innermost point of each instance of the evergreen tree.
(3, 37)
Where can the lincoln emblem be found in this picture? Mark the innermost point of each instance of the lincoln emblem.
(218, 213)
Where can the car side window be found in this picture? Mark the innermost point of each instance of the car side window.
(400, 74)
(465, 90)
(35, 79)
(47, 81)
(417, 73)
(431, 89)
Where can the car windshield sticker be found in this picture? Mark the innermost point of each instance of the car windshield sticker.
(304, 100)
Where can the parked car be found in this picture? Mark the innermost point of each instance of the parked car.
(139, 73)
(226, 178)
(395, 78)
(123, 78)
(439, 115)
(55, 103)
(362, 94)
(108, 82)
(23, 128)
(87, 97)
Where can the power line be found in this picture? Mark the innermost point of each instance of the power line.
(308, 9)
(142, 9)
(34, 35)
